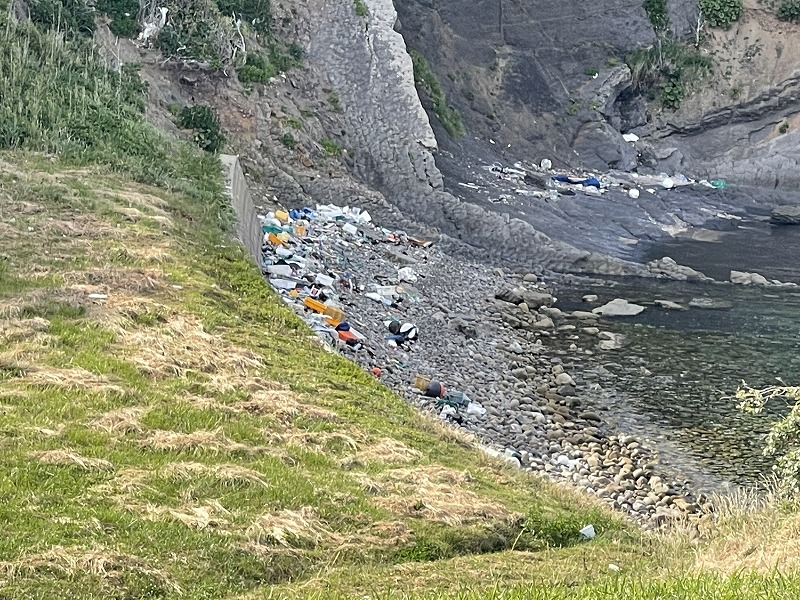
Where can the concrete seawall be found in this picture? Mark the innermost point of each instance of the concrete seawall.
(248, 227)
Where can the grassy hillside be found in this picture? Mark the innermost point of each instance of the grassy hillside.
(171, 430)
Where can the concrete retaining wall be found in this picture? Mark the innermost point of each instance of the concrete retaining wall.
(248, 227)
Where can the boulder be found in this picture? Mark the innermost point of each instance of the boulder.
(785, 214)
(619, 307)
(710, 303)
(519, 295)
(745, 278)
(669, 305)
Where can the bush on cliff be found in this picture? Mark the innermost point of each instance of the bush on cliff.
(721, 13)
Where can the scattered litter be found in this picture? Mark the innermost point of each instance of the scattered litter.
(588, 532)
(630, 137)
(407, 274)
(98, 296)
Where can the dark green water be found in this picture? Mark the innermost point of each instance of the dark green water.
(678, 369)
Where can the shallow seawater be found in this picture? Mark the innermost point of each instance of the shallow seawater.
(678, 370)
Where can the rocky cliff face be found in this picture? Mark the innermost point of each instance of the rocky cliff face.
(523, 73)
(349, 128)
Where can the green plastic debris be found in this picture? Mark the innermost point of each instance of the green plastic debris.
(720, 184)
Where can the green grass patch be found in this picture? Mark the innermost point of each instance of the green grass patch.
(427, 82)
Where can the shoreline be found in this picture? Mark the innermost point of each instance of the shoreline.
(498, 352)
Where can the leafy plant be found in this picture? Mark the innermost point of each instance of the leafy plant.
(783, 439)
(331, 147)
(361, 8)
(257, 69)
(657, 14)
(203, 120)
(667, 70)
(196, 30)
(721, 13)
(257, 13)
(72, 16)
(287, 139)
(123, 14)
(789, 10)
(783, 128)
(426, 81)
(672, 92)
(590, 71)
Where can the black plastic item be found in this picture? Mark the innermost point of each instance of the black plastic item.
(434, 390)
(394, 327)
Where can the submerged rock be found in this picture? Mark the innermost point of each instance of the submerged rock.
(619, 307)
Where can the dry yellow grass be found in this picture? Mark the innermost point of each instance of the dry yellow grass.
(74, 378)
(434, 493)
(291, 528)
(228, 474)
(316, 441)
(98, 561)
(208, 515)
(13, 330)
(281, 404)
(752, 532)
(73, 459)
(118, 280)
(120, 421)
(81, 225)
(387, 451)
(181, 346)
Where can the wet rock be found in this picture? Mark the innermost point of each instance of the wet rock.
(619, 307)
(785, 214)
(744, 278)
(669, 305)
(710, 303)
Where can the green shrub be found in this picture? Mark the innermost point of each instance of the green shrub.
(783, 439)
(789, 10)
(331, 147)
(204, 122)
(257, 69)
(123, 15)
(256, 13)
(59, 97)
(657, 13)
(721, 13)
(426, 81)
(287, 139)
(361, 8)
(196, 30)
(667, 71)
(71, 16)
(672, 92)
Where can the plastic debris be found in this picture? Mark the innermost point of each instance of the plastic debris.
(588, 532)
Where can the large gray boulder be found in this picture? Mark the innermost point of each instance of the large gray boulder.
(618, 307)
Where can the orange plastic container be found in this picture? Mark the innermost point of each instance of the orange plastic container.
(315, 305)
(274, 240)
(334, 313)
